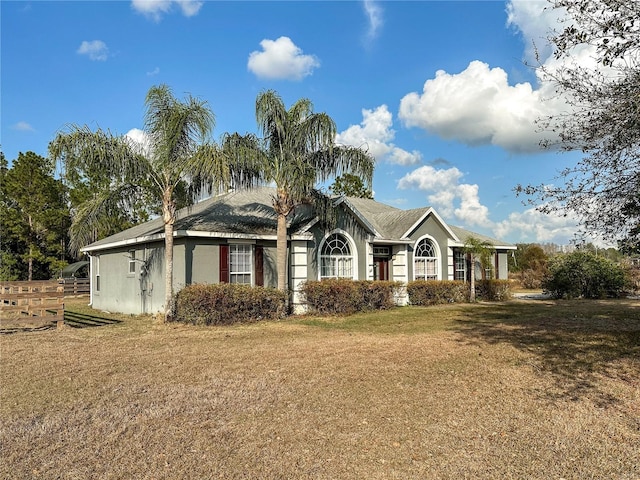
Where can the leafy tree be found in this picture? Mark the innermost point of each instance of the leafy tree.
(296, 153)
(529, 262)
(351, 185)
(177, 161)
(34, 219)
(602, 188)
(87, 182)
(583, 274)
(479, 252)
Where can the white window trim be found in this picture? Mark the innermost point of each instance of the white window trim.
(438, 256)
(132, 262)
(251, 259)
(97, 267)
(354, 253)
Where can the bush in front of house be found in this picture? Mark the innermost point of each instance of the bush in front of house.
(584, 274)
(226, 303)
(493, 290)
(434, 292)
(339, 296)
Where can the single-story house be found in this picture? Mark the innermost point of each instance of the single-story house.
(232, 238)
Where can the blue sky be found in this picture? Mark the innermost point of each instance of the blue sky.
(438, 91)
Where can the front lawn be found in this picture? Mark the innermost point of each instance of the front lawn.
(521, 389)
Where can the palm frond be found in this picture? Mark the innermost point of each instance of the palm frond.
(98, 216)
(80, 148)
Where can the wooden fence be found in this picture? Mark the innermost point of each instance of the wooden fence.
(75, 286)
(32, 303)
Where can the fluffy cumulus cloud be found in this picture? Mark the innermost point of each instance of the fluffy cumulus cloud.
(154, 9)
(376, 135)
(479, 106)
(535, 19)
(447, 194)
(139, 140)
(281, 59)
(96, 50)
(534, 226)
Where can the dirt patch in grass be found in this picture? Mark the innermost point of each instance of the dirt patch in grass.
(513, 390)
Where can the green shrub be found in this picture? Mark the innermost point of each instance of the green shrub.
(339, 296)
(583, 274)
(493, 290)
(433, 292)
(225, 303)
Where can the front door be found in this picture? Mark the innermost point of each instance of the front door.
(380, 268)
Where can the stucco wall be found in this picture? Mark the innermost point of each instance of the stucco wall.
(433, 230)
(125, 292)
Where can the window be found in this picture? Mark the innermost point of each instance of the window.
(132, 261)
(240, 264)
(425, 261)
(459, 265)
(336, 260)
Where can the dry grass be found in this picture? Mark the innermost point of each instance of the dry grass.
(524, 389)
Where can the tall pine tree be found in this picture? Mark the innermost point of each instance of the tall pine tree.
(34, 219)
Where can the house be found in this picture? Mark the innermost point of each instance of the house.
(232, 238)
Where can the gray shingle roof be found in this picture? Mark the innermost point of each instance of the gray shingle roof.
(250, 212)
(390, 222)
(463, 234)
(239, 212)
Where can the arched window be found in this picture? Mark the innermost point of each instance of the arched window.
(336, 259)
(425, 260)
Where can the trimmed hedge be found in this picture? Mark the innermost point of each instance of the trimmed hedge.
(434, 292)
(344, 297)
(226, 303)
(493, 290)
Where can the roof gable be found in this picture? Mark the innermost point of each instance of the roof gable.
(250, 213)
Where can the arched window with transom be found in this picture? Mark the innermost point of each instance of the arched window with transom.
(425, 260)
(336, 257)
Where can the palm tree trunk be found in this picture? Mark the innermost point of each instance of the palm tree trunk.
(472, 279)
(169, 217)
(281, 248)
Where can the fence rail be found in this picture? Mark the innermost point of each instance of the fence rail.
(32, 303)
(75, 286)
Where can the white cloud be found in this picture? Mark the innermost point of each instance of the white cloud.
(374, 14)
(375, 134)
(95, 50)
(139, 140)
(447, 195)
(535, 19)
(153, 72)
(154, 9)
(23, 127)
(189, 7)
(533, 226)
(479, 107)
(281, 59)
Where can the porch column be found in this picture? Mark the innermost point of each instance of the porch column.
(299, 273)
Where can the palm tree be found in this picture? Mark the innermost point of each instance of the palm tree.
(176, 157)
(299, 151)
(477, 250)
